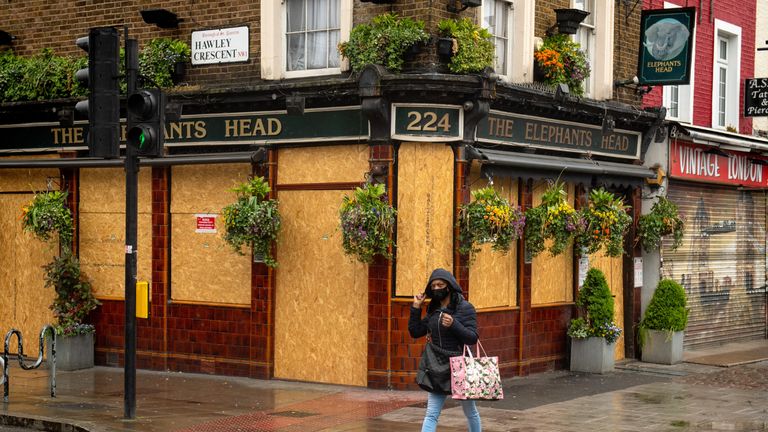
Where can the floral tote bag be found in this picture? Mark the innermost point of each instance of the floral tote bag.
(475, 377)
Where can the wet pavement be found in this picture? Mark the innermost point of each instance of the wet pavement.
(635, 397)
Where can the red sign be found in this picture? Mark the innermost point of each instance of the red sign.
(692, 161)
(206, 223)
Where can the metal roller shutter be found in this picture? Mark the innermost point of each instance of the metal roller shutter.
(721, 263)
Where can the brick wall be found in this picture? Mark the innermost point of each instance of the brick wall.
(738, 13)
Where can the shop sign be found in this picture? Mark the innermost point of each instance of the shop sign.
(206, 223)
(228, 45)
(339, 124)
(756, 97)
(518, 129)
(666, 46)
(701, 163)
(416, 122)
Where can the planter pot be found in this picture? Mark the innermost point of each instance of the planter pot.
(413, 51)
(592, 354)
(179, 69)
(445, 49)
(568, 20)
(663, 347)
(72, 352)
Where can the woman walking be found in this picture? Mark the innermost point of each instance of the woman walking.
(451, 323)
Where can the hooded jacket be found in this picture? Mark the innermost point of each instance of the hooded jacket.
(462, 332)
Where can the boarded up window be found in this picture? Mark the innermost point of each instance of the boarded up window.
(204, 269)
(493, 275)
(102, 229)
(425, 183)
(551, 277)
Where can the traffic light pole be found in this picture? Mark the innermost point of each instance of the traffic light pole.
(131, 217)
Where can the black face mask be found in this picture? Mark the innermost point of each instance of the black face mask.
(440, 295)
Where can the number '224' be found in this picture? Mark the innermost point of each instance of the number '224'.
(428, 122)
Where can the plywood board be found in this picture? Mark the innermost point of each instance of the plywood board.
(29, 179)
(205, 188)
(328, 164)
(493, 275)
(425, 184)
(24, 303)
(204, 268)
(102, 251)
(551, 276)
(321, 295)
(612, 267)
(102, 190)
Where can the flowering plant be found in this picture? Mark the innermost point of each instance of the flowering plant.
(473, 48)
(45, 216)
(367, 221)
(48, 215)
(562, 61)
(252, 220)
(606, 222)
(74, 297)
(553, 219)
(595, 303)
(663, 220)
(489, 218)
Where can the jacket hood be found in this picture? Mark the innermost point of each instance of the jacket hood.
(446, 276)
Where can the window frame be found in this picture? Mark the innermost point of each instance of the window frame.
(601, 75)
(684, 91)
(520, 32)
(732, 66)
(274, 49)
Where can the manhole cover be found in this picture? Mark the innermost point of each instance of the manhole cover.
(298, 414)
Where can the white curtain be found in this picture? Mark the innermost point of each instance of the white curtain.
(495, 20)
(312, 34)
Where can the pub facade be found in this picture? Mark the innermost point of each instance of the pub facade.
(315, 134)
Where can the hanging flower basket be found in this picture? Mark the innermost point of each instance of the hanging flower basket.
(561, 60)
(488, 219)
(554, 219)
(367, 221)
(48, 215)
(606, 223)
(663, 220)
(252, 221)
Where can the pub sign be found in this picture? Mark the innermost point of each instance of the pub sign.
(666, 46)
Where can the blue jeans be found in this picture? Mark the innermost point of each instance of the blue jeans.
(435, 405)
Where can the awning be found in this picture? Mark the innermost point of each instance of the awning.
(524, 165)
(719, 138)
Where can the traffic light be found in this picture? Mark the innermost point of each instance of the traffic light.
(103, 104)
(146, 109)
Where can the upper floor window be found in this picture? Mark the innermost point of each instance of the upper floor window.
(511, 24)
(309, 32)
(312, 33)
(677, 98)
(496, 18)
(585, 36)
(725, 80)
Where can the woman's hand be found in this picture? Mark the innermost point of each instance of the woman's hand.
(446, 320)
(418, 299)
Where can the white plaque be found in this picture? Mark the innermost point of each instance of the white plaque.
(638, 272)
(583, 269)
(214, 46)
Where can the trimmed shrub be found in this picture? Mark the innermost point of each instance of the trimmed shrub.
(667, 310)
(595, 299)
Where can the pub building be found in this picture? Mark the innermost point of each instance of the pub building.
(321, 316)
(717, 179)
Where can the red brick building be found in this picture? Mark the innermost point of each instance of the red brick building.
(320, 316)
